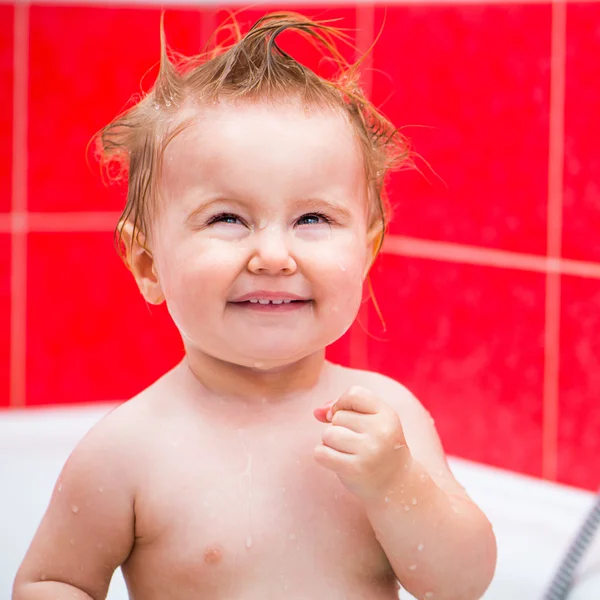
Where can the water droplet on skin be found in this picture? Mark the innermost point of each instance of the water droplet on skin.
(342, 267)
(420, 547)
(283, 490)
(398, 446)
(423, 477)
(43, 577)
(167, 103)
(292, 536)
(414, 501)
(60, 487)
(101, 489)
(263, 400)
(412, 568)
(262, 223)
(248, 542)
(99, 545)
(407, 508)
(406, 467)
(387, 499)
(205, 504)
(455, 509)
(75, 508)
(428, 595)
(72, 542)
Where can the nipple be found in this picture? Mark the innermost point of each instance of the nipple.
(213, 555)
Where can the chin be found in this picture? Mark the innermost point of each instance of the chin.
(274, 357)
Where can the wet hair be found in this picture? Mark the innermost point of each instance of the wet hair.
(253, 67)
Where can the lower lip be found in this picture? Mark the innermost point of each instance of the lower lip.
(272, 308)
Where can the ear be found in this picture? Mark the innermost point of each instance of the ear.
(140, 261)
(374, 240)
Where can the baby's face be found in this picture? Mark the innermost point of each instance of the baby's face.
(262, 202)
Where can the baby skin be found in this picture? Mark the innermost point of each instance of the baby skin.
(255, 469)
(283, 497)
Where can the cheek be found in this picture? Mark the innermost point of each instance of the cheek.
(192, 271)
(343, 275)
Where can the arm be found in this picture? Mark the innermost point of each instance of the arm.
(88, 528)
(384, 448)
(443, 547)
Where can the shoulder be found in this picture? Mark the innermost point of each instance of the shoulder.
(117, 438)
(389, 390)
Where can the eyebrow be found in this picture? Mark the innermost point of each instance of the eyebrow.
(204, 204)
(322, 204)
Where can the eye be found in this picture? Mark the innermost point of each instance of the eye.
(314, 219)
(227, 218)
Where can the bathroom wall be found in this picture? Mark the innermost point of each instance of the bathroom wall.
(489, 282)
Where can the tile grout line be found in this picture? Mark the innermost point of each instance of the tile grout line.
(395, 244)
(305, 3)
(18, 267)
(365, 35)
(554, 242)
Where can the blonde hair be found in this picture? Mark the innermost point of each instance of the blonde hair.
(253, 67)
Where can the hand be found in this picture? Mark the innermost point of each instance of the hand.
(364, 443)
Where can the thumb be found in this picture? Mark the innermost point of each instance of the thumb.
(321, 412)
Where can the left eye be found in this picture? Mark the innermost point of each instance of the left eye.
(313, 219)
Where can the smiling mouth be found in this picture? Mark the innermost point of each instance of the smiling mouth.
(271, 305)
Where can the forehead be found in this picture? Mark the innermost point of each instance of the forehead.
(260, 142)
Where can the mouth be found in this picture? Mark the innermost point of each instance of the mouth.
(271, 304)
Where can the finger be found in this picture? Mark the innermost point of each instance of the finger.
(350, 420)
(321, 412)
(342, 439)
(339, 462)
(357, 399)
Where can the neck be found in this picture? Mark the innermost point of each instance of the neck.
(228, 380)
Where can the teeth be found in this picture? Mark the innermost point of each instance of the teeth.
(261, 301)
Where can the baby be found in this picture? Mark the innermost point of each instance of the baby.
(256, 469)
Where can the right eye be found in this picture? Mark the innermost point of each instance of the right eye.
(227, 218)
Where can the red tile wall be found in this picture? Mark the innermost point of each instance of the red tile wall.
(500, 101)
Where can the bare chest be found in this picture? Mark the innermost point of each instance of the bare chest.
(252, 507)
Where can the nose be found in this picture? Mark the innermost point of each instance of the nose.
(271, 256)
